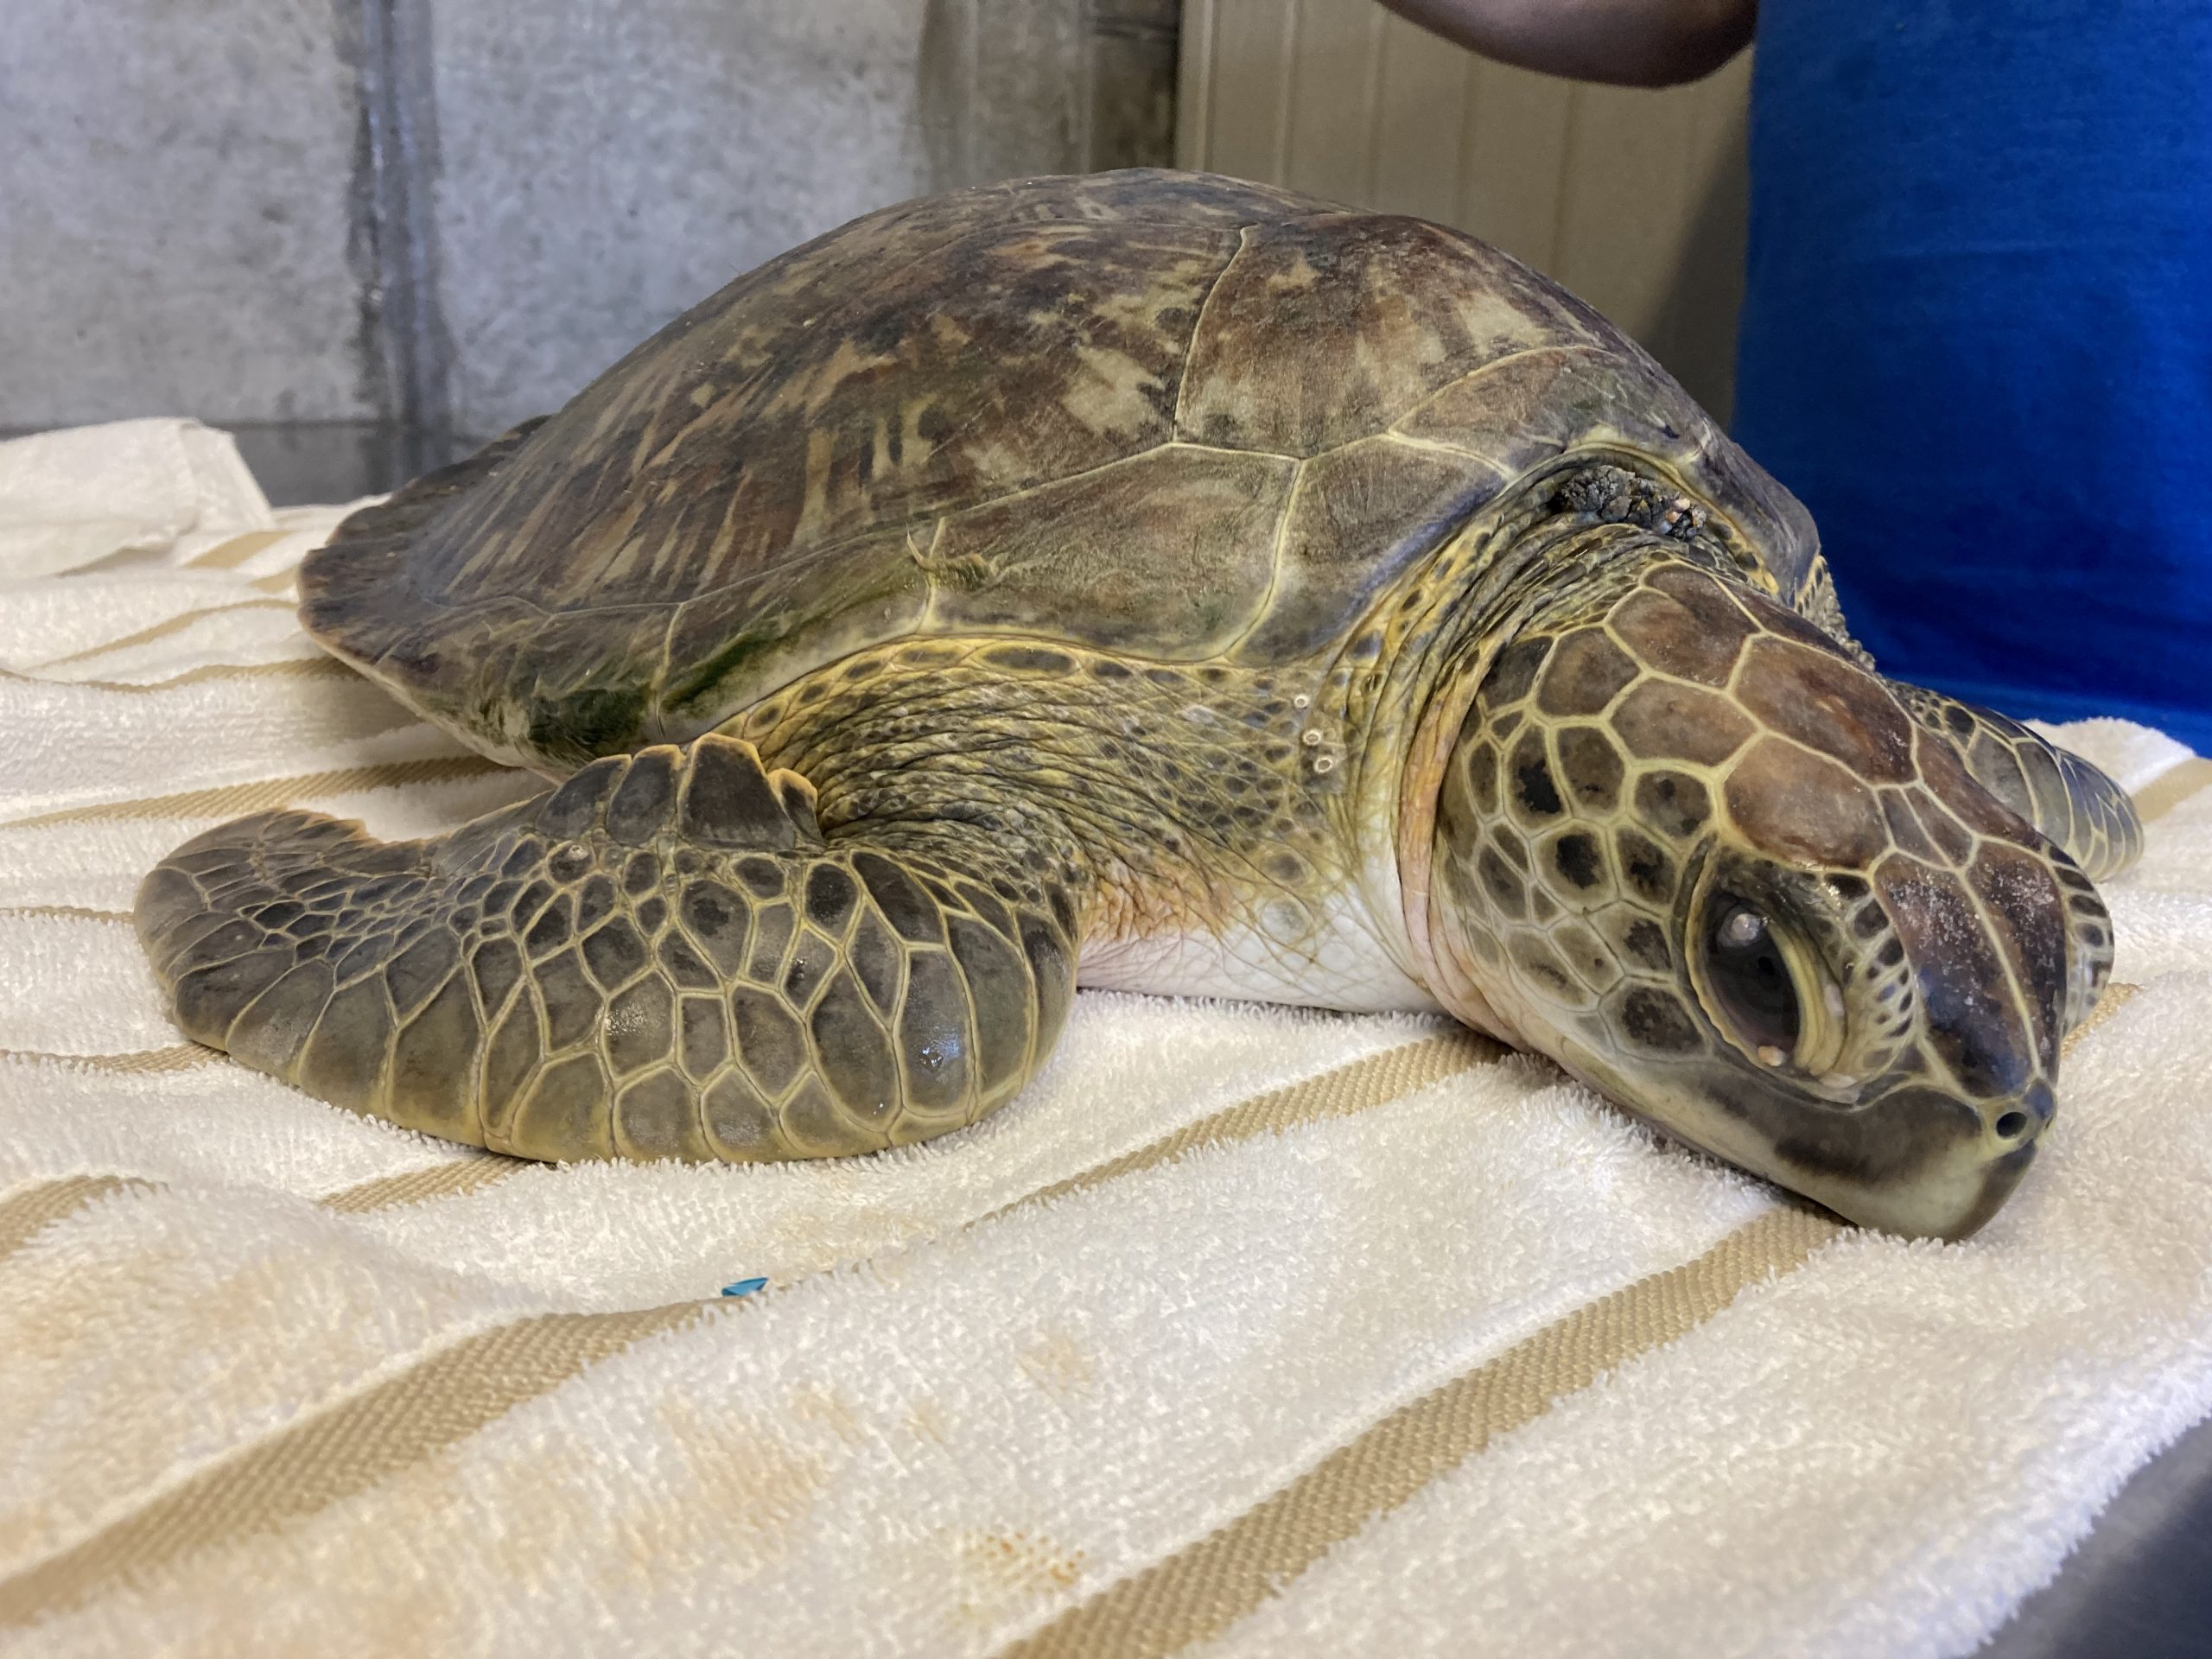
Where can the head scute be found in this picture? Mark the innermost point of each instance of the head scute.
(1691, 846)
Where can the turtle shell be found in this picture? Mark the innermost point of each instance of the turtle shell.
(1171, 416)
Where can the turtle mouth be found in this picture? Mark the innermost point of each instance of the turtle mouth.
(1998, 1178)
(1917, 1162)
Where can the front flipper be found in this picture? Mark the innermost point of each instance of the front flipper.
(663, 958)
(2071, 801)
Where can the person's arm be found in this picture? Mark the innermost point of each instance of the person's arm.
(1627, 42)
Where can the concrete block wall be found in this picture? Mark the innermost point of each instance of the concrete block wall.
(367, 233)
(176, 211)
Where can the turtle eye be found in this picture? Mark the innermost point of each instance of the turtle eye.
(1747, 982)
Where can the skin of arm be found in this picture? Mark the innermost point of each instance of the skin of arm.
(1625, 42)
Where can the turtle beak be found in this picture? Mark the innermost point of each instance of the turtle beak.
(1963, 1210)
(1950, 1200)
(1917, 1161)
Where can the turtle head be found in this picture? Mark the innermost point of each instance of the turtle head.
(1686, 845)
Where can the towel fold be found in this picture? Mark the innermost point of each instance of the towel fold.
(1245, 1329)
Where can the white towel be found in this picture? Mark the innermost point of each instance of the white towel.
(1273, 1332)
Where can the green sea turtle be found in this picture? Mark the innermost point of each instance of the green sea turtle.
(1164, 583)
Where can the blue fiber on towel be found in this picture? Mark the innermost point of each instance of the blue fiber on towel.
(744, 1286)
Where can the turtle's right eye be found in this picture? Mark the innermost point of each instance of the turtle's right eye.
(1745, 981)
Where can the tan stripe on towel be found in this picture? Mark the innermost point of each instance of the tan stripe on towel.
(2117, 995)
(2173, 786)
(69, 913)
(229, 800)
(22, 1215)
(177, 1057)
(1376, 1080)
(440, 1399)
(314, 668)
(1373, 1081)
(1205, 1588)
(228, 556)
(419, 1185)
(163, 629)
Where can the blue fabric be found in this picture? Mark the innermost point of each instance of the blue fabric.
(1977, 337)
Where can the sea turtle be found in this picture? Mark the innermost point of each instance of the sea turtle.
(1152, 581)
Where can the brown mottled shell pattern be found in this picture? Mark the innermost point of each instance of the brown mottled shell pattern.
(1086, 409)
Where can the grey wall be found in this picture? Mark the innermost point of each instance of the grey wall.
(175, 212)
(366, 233)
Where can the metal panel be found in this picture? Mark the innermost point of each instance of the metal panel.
(1634, 200)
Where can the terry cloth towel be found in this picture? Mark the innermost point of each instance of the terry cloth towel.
(1244, 1332)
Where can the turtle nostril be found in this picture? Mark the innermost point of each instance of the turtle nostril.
(2012, 1125)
